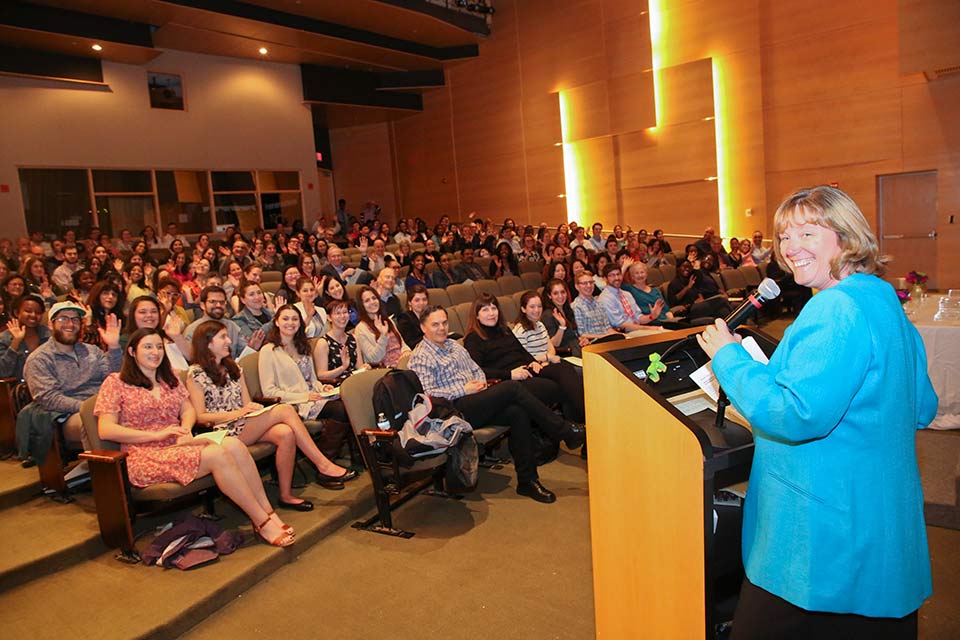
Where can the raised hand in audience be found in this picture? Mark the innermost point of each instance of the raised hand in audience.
(111, 333)
(17, 332)
(256, 339)
(174, 325)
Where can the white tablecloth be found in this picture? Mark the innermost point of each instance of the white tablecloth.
(942, 340)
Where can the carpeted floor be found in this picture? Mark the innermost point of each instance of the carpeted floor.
(492, 565)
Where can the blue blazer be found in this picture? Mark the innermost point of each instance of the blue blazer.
(833, 519)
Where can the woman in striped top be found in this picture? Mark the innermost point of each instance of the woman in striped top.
(531, 332)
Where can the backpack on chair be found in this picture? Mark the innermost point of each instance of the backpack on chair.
(393, 395)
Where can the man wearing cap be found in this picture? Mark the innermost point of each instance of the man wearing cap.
(61, 374)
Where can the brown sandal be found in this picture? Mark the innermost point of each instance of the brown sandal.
(286, 527)
(284, 540)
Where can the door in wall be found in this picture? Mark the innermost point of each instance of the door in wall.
(907, 217)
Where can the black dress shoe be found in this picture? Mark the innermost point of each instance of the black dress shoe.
(306, 505)
(577, 436)
(346, 476)
(537, 491)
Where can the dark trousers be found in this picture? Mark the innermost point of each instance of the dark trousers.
(510, 403)
(570, 381)
(761, 615)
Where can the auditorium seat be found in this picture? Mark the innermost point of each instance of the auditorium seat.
(464, 312)
(733, 283)
(352, 291)
(453, 322)
(751, 275)
(439, 297)
(394, 484)
(531, 279)
(487, 286)
(510, 284)
(654, 277)
(526, 266)
(669, 272)
(461, 293)
(270, 276)
(508, 308)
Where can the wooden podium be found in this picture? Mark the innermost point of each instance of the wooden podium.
(653, 472)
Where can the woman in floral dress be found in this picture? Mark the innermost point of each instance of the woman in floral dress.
(147, 410)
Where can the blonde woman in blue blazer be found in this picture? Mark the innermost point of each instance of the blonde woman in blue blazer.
(834, 541)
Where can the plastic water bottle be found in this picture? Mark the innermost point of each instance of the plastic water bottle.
(382, 423)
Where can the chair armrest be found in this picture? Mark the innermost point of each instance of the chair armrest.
(564, 351)
(379, 434)
(103, 456)
(108, 471)
(266, 400)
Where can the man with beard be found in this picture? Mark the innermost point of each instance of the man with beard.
(61, 373)
(213, 299)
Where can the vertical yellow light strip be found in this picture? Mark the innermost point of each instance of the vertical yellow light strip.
(572, 179)
(721, 132)
(657, 50)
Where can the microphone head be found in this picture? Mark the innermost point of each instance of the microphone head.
(768, 289)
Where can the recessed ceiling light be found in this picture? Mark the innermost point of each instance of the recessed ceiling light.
(97, 47)
(263, 51)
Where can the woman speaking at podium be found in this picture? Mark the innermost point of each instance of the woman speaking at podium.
(834, 542)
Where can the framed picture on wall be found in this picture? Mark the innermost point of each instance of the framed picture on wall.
(166, 91)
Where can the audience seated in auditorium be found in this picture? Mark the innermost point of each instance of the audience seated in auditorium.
(344, 274)
(334, 291)
(500, 354)
(385, 286)
(418, 274)
(559, 319)
(590, 315)
(444, 275)
(146, 313)
(61, 373)
(447, 371)
(214, 301)
(286, 371)
(24, 335)
(649, 299)
(760, 253)
(147, 410)
(468, 269)
(314, 316)
(685, 295)
(408, 322)
(377, 335)
(622, 311)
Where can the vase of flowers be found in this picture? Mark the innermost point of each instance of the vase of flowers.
(918, 280)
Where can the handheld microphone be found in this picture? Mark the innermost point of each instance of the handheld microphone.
(766, 291)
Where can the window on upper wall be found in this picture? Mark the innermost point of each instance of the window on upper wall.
(235, 200)
(199, 201)
(56, 200)
(279, 197)
(184, 198)
(124, 200)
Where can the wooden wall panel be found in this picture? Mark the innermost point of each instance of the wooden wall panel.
(426, 169)
(587, 111)
(861, 128)
(679, 153)
(929, 33)
(631, 105)
(363, 167)
(561, 48)
(626, 38)
(597, 164)
(687, 92)
(660, 207)
(848, 63)
(819, 20)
